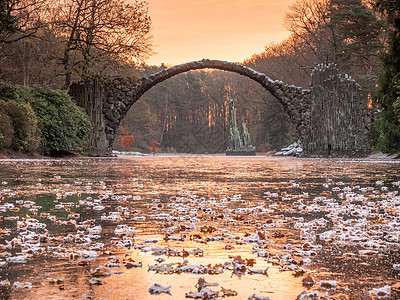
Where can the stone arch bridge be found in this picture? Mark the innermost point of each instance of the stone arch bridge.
(331, 117)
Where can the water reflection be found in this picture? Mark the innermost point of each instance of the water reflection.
(331, 223)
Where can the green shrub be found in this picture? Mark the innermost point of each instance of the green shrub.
(23, 132)
(62, 123)
(39, 118)
(6, 131)
(8, 91)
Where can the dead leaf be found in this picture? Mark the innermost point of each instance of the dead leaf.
(228, 292)
(308, 281)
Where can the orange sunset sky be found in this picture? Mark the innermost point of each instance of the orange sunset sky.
(232, 30)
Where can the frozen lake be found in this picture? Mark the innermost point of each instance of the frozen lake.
(111, 228)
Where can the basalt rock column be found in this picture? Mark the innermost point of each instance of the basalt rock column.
(239, 144)
(90, 96)
(339, 117)
(106, 102)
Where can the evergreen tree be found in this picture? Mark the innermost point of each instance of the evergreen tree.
(7, 20)
(389, 82)
(359, 32)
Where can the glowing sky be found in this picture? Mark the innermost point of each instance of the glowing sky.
(232, 30)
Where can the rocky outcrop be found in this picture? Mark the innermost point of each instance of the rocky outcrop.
(106, 103)
(294, 149)
(339, 117)
(239, 144)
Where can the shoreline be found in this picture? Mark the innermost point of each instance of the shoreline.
(68, 155)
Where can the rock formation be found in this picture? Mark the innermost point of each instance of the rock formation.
(331, 117)
(294, 149)
(239, 144)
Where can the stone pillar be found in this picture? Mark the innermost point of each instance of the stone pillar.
(339, 117)
(90, 97)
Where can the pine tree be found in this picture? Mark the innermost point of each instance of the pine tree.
(7, 21)
(389, 82)
(359, 32)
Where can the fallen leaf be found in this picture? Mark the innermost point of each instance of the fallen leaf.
(228, 292)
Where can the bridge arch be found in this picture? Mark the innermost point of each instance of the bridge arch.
(292, 98)
(281, 91)
(108, 102)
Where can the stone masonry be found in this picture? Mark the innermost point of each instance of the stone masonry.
(331, 117)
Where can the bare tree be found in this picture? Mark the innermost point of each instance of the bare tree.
(22, 23)
(20, 19)
(96, 31)
(309, 22)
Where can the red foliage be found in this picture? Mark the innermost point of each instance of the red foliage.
(126, 138)
(154, 145)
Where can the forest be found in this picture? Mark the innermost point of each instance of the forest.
(47, 45)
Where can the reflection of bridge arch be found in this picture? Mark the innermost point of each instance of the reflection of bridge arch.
(108, 102)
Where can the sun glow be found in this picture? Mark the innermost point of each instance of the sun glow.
(227, 30)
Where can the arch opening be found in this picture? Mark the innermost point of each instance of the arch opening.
(194, 107)
(288, 96)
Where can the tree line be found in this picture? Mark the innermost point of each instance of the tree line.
(354, 34)
(55, 43)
